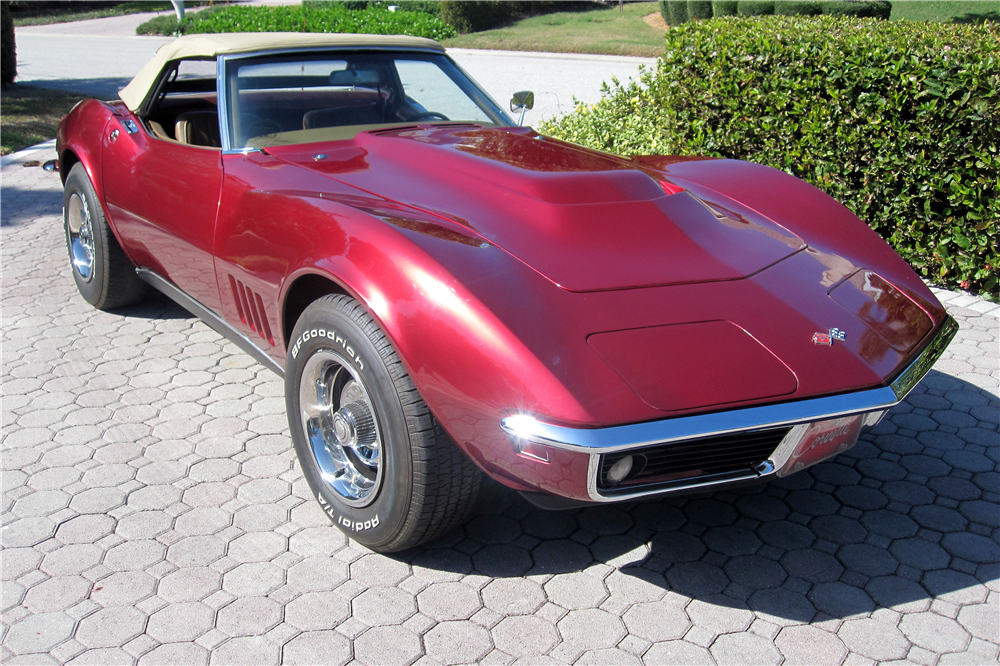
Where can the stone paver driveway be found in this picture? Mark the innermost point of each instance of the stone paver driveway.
(153, 512)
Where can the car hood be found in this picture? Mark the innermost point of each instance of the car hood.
(585, 220)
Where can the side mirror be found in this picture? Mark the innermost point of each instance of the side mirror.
(522, 101)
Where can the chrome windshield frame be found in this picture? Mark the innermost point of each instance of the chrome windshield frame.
(222, 92)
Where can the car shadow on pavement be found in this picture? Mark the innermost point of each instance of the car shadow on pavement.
(25, 205)
(909, 515)
(155, 305)
(105, 89)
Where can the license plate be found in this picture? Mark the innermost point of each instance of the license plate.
(823, 440)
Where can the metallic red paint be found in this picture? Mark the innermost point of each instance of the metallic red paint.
(457, 241)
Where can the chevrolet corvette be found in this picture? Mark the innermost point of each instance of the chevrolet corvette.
(449, 294)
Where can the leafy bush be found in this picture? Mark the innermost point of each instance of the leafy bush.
(162, 25)
(376, 19)
(8, 49)
(426, 6)
(900, 121)
(432, 7)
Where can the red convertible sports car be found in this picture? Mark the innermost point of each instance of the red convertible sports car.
(449, 294)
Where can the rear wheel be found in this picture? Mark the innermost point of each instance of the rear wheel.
(377, 460)
(103, 274)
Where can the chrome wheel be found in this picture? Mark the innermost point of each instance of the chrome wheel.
(342, 428)
(81, 236)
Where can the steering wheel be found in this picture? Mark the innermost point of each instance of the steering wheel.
(430, 115)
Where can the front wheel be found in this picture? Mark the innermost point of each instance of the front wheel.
(376, 459)
(103, 274)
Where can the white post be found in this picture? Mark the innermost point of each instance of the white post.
(178, 8)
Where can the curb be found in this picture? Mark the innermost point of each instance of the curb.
(22, 154)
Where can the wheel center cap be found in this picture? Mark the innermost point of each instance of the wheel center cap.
(343, 427)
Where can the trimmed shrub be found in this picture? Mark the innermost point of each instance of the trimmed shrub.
(724, 7)
(8, 48)
(475, 15)
(699, 9)
(674, 12)
(861, 8)
(797, 8)
(900, 121)
(754, 7)
(376, 19)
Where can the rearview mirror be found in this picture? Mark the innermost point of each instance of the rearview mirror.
(521, 101)
(354, 77)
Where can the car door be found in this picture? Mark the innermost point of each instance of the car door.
(163, 197)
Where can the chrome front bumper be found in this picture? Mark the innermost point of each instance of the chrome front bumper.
(800, 414)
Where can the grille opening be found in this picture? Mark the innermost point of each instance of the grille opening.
(692, 459)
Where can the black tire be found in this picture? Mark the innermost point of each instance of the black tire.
(421, 485)
(103, 274)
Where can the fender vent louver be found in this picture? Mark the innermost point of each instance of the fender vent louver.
(250, 308)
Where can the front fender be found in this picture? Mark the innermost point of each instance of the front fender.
(469, 365)
(823, 222)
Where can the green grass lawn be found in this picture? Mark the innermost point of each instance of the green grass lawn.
(31, 115)
(600, 30)
(949, 11)
(66, 12)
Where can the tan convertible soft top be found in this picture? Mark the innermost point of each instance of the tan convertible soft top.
(212, 45)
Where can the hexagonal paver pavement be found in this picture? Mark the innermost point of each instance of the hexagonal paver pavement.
(153, 512)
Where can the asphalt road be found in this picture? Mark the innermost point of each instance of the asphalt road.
(101, 56)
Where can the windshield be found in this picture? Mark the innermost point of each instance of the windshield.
(296, 98)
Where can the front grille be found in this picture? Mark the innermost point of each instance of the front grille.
(690, 460)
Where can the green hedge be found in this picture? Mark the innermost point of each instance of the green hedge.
(676, 12)
(477, 15)
(724, 7)
(699, 9)
(900, 121)
(754, 7)
(375, 19)
(798, 8)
